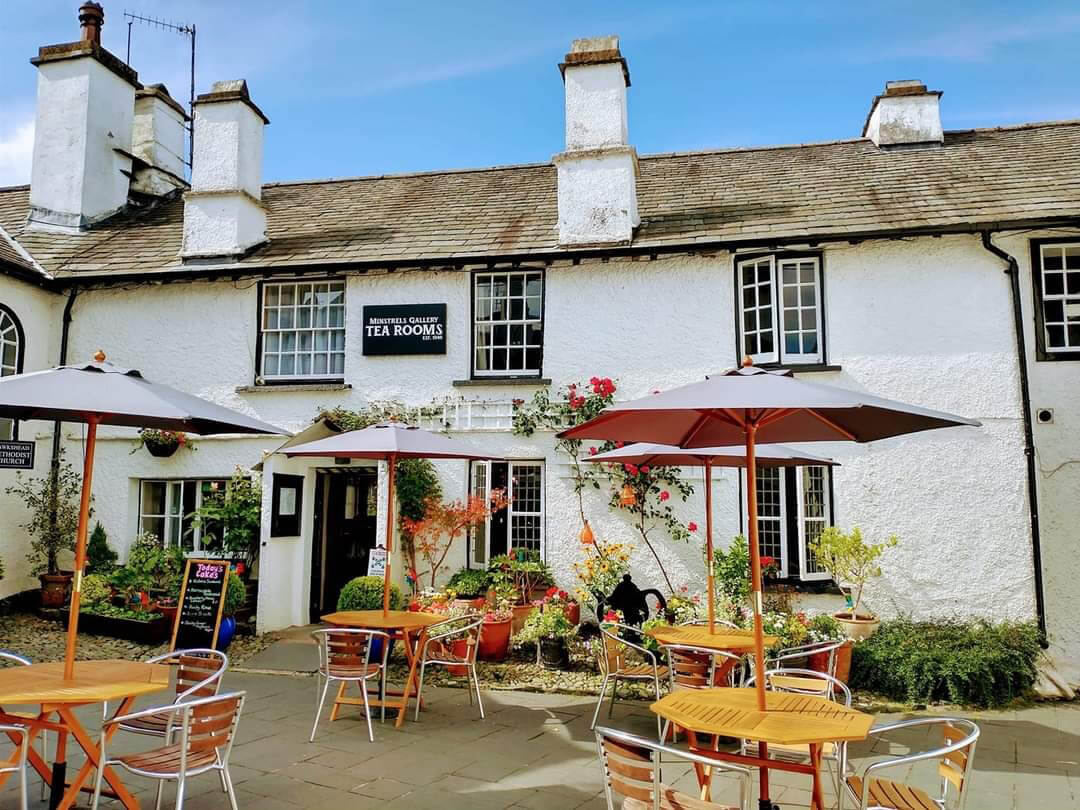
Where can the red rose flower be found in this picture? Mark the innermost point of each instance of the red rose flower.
(619, 444)
(592, 451)
(691, 526)
(551, 592)
(645, 469)
(665, 495)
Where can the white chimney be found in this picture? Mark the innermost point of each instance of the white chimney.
(906, 114)
(82, 131)
(223, 212)
(158, 142)
(597, 174)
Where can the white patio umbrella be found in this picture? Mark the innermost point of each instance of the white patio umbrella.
(746, 405)
(642, 454)
(99, 393)
(388, 442)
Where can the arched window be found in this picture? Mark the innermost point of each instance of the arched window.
(12, 346)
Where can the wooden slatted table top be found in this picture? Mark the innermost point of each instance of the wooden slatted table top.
(698, 635)
(789, 719)
(94, 682)
(376, 620)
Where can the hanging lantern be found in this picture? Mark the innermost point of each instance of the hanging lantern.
(627, 496)
(586, 535)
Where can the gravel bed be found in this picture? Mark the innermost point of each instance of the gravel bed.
(41, 639)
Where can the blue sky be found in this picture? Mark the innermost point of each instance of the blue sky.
(355, 88)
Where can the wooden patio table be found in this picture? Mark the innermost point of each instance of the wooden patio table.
(724, 639)
(409, 626)
(788, 719)
(92, 682)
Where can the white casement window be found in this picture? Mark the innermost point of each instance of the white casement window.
(303, 330)
(1059, 279)
(793, 502)
(166, 510)
(11, 350)
(780, 318)
(508, 324)
(521, 524)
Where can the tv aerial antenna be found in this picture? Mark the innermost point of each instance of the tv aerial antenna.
(184, 30)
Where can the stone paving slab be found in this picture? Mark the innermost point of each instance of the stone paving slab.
(536, 751)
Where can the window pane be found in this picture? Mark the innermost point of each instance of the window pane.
(800, 312)
(1072, 257)
(154, 526)
(153, 498)
(309, 318)
(1052, 258)
(1054, 283)
(512, 302)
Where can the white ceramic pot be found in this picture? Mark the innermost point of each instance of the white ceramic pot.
(860, 627)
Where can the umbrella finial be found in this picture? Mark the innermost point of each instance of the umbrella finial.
(747, 361)
(99, 356)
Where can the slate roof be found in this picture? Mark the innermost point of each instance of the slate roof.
(1023, 174)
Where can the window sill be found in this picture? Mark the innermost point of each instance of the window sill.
(285, 387)
(803, 368)
(537, 381)
(793, 584)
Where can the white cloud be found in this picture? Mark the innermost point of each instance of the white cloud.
(16, 149)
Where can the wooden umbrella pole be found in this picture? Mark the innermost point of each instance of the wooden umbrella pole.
(80, 546)
(709, 546)
(755, 593)
(391, 466)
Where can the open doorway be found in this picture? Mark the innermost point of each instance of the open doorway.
(344, 532)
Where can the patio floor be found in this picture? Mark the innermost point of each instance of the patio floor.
(536, 751)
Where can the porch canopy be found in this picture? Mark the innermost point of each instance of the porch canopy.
(742, 406)
(99, 393)
(642, 454)
(387, 442)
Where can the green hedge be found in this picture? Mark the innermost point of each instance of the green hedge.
(972, 663)
(365, 593)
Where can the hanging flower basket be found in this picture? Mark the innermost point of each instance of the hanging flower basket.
(162, 443)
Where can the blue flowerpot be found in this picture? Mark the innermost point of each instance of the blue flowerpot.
(376, 649)
(226, 633)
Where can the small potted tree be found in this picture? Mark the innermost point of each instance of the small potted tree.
(851, 562)
(53, 501)
(434, 534)
(366, 593)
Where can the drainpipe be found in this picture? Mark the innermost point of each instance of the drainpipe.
(1012, 270)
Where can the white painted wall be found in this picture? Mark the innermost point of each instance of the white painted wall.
(39, 313)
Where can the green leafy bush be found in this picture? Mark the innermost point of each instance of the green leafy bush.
(112, 611)
(365, 593)
(469, 583)
(235, 595)
(972, 663)
(100, 558)
(95, 589)
(731, 570)
(551, 622)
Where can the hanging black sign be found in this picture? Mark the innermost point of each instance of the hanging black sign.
(17, 455)
(202, 598)
(405, 329)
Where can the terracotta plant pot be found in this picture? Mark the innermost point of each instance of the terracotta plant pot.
(495, 640)
(819, 662)
(858, 628)
(168, 611)
(521, 613)
(471, 604)
(573, 613)
(459, 648)
(54, 589)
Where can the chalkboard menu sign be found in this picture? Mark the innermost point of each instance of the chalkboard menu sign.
(202, 598)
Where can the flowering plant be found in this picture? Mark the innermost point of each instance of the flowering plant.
(614, 616)
(824, 627)
(148, 437)
(601, 569)
(500, 611)
(790, 629)
(550, 624)
(555, 597)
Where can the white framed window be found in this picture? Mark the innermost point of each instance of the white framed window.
(794, 506)
(508, 323)
(780, 313)
(1058, 280)
(302, 330)
(166, 510)
(11, 352)
(522, 523)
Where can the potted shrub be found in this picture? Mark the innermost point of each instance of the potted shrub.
(555, 598)
(529, 577)
(128, 620)
(230, 518)
(495, 638)
(470, 586)
(825, 628)
(100, 558)
(235, 599)
(434, 534)
(162, 443)
(366, 593)
(851, 562)
(53, 501)
(550, 631)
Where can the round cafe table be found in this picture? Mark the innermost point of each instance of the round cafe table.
(723, 639)
(410, 627)
(788, 719)
(44, 685)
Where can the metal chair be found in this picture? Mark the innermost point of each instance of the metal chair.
(632, 766)
(345, 656)
(23, 661)
(616, 666)
(817, 684)
(206, 728)
(805, 650)
(956, 756)
(691, 667)
(17, 763)
(198, 674)
(436, 651)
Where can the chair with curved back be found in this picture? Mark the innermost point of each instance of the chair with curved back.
(803, 651)
(816, 684)
(956, 757)
(616, 659)
(437, 651)
(345, 657)
(23, 661)
(198, 674)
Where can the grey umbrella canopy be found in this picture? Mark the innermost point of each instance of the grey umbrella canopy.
(387, 441)
(99, 393)
(742, 407)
